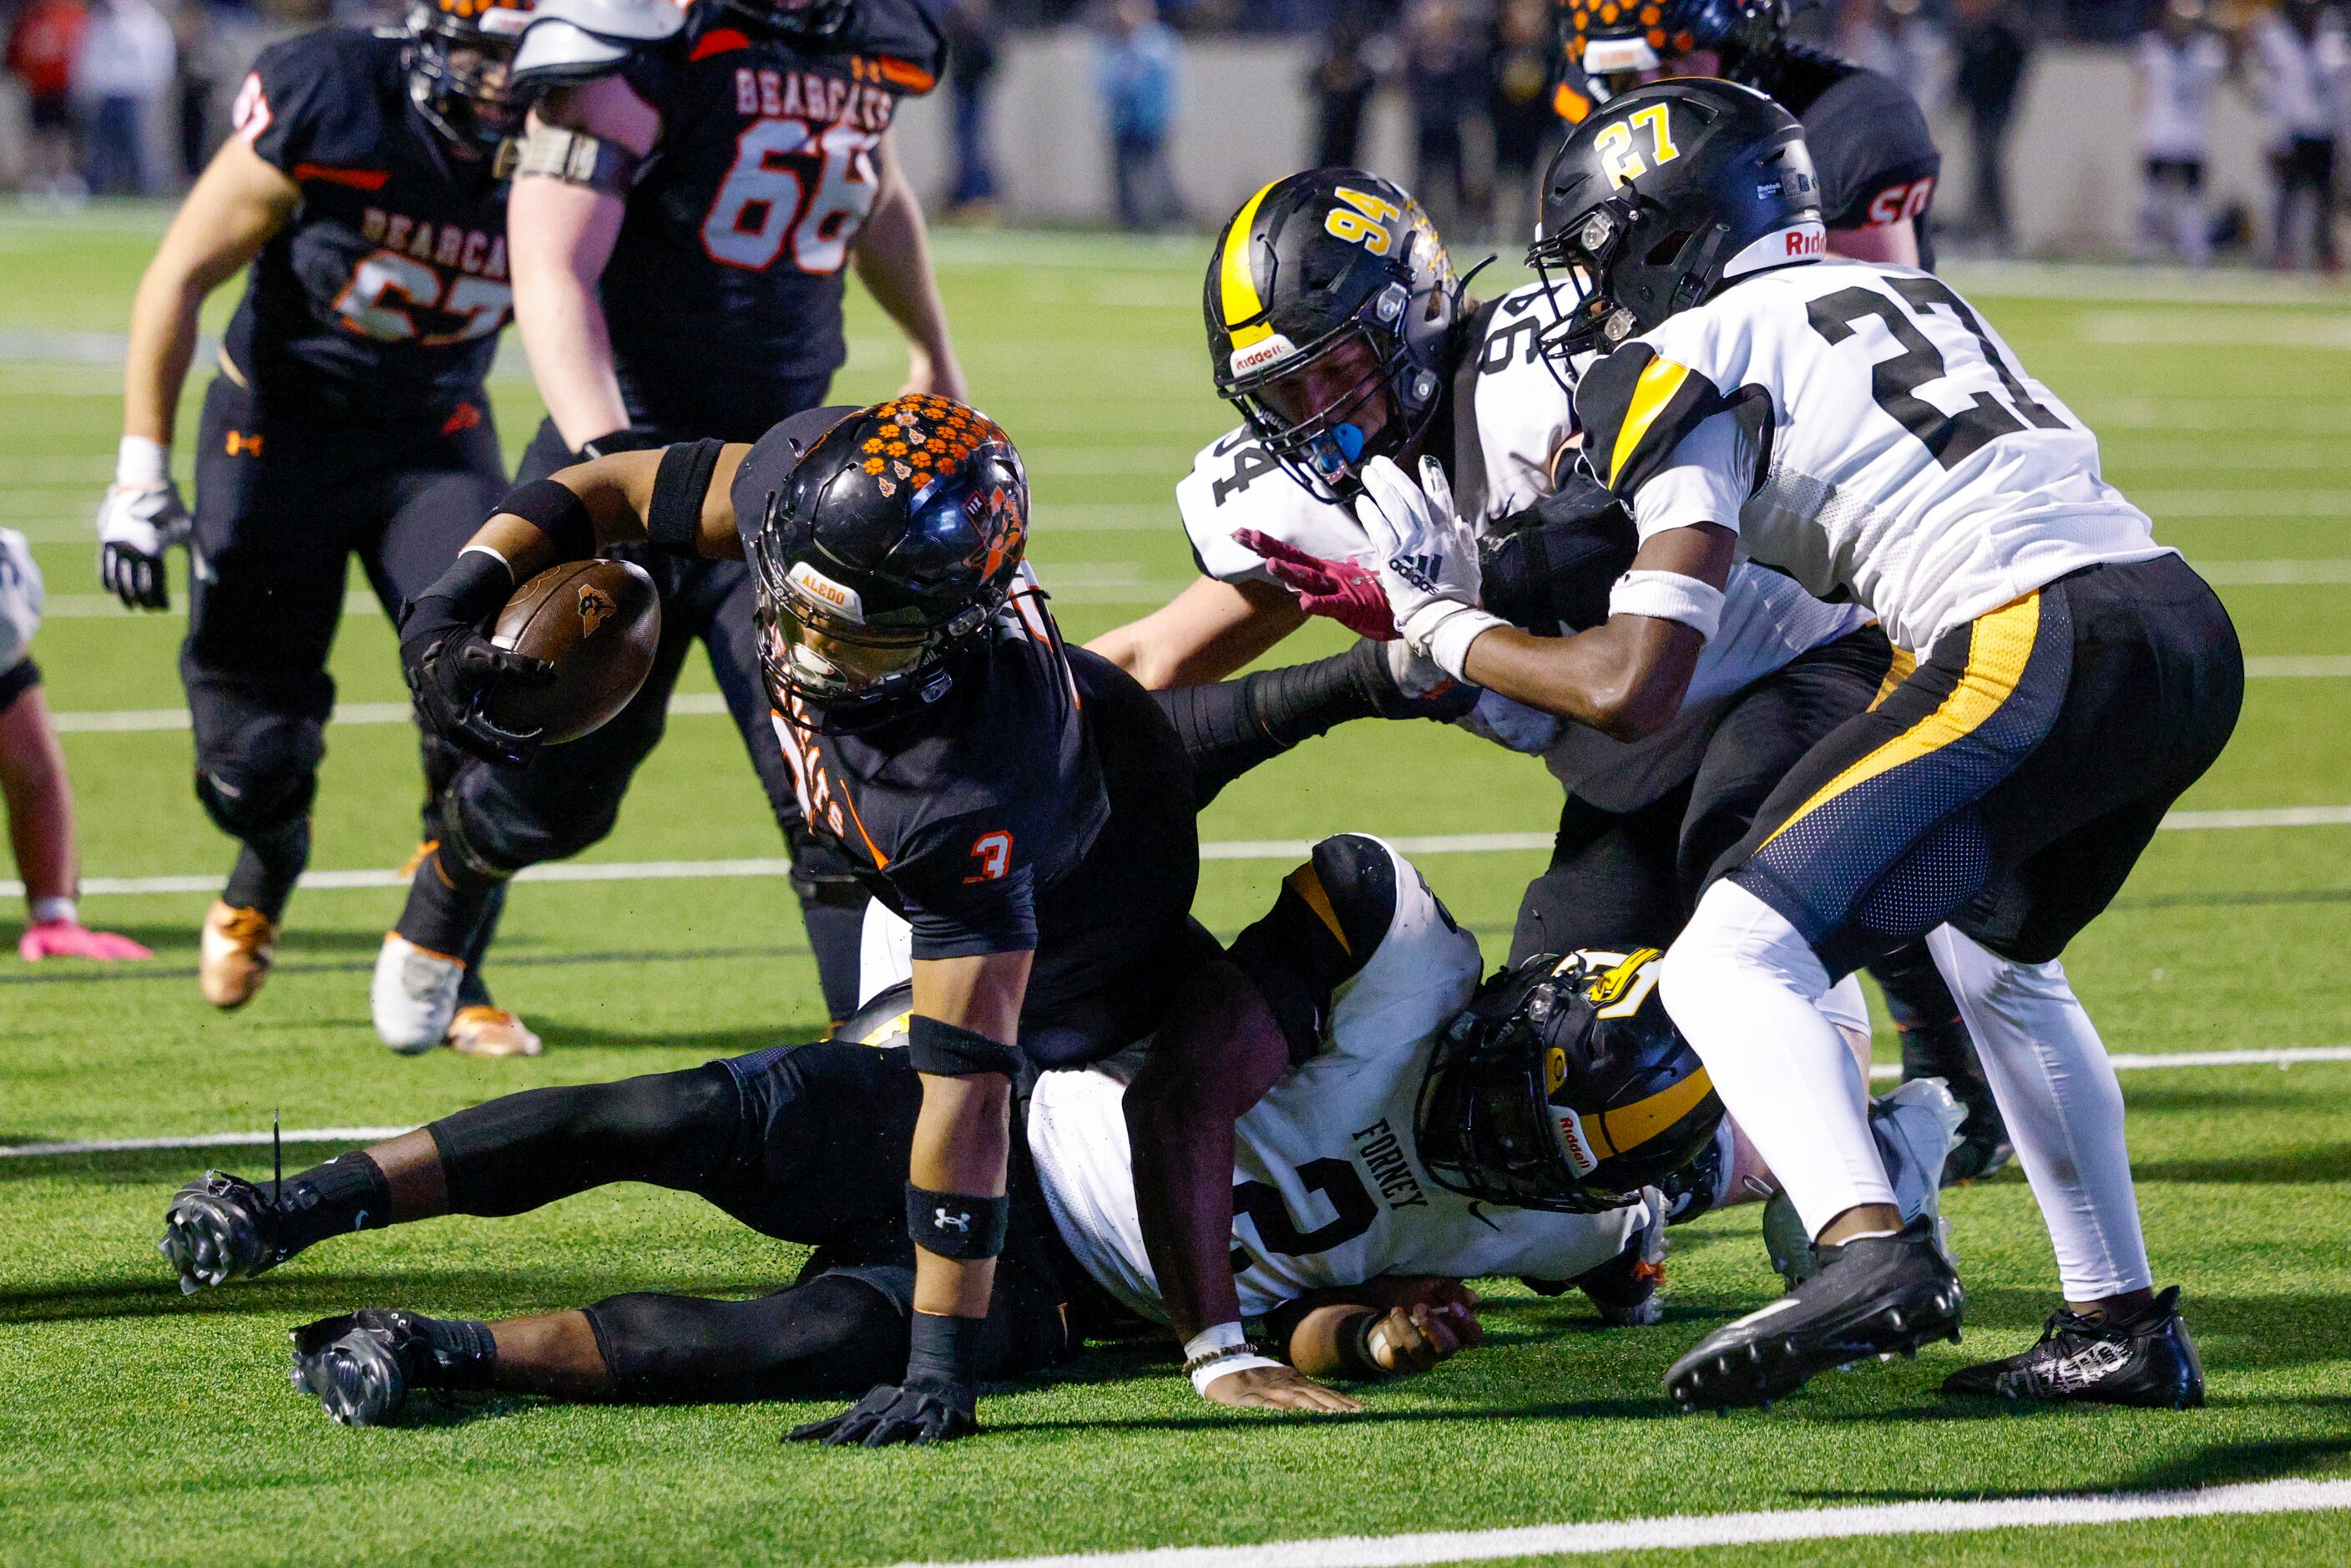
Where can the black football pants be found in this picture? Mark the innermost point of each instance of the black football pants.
(496, 820)
(281, 508)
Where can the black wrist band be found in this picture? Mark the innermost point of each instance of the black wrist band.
(1355, 1345)
(558, 513)
(949, 1050)
(674, 519)
(943, 1352)
(957, 1225)
(476, 587)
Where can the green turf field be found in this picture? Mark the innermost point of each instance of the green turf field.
(137, 1424)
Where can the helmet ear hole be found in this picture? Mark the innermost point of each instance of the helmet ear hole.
(1666, 250)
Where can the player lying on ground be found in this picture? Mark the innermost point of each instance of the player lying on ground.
(1859, 427)
(349, 416)
(1337, 330)
(1406, 1119)
(33, 783)
(1025, 807)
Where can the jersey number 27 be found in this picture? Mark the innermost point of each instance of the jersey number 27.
(768, 202)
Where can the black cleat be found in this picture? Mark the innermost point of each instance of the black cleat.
(361, 1366)
(220, 1228)
(1879, 1297)
(1944, 1050)
(2145, 1359)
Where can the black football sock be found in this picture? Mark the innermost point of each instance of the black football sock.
(464, 1356)
(836, 933)
(1231, 726)
(449, 905)
(268, 866)
(347, 1192)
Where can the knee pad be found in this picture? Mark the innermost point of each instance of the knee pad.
(496, 829)
(262, 777)
(822, 875)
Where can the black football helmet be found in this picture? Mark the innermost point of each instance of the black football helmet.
(1332, 306)
(457, 55)
(813, 20)
(891, 545)
(1565, 1086)
(1662, 196)
(1606, 46)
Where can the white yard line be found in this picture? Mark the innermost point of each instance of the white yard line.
(1215, 850)
(2279, 1057)
(1686, 1531)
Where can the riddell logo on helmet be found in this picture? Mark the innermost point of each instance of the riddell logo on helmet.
(1801, 241)
(824, 591)
(1573, 1143)
(1267, 351)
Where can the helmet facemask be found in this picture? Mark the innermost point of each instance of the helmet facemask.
(814, 20)
(1349, 397)
(457, 63)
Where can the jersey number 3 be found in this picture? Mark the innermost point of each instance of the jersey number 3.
(1894, 383)
(765, 201)
(1353, 1206)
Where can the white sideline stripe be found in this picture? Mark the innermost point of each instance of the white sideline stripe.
(2275, 1056)
(1215, 850)
(2305, 666)
(1685, 1531)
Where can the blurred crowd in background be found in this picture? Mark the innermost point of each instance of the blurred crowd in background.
(124, 96)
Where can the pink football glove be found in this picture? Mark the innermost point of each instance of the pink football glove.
(1345, 590)
(72, 939)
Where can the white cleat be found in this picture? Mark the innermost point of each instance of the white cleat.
(413, 995)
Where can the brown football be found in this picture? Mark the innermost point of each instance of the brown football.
(597, 622)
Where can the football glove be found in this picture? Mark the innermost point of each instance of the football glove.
(921, 1414)
(136, 524)
(1343, 590)
(1427, 558)
(451, 666)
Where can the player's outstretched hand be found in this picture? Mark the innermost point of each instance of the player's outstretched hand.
(453, 672)
(1280, 1388)
(136, 524)
(1428, 555)
(1346, 591)
(922, 1416)
(72, 939)
(1406, 1340)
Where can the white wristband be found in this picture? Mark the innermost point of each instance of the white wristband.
(1447, 628)
(1215, 1351)
(1668, 596)
(1208, 1340)
(143, 463)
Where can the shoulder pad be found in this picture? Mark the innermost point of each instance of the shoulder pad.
(1635, 405)
(1236, 483)
(579, 40)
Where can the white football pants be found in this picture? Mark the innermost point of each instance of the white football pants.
(1743, 985)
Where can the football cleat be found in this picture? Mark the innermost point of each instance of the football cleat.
(1877, 1297)
(222, 1227)
(413, 996)
(361, 1366)
(1625, 1288)
(2146, 1359)
(235, 952)
(1917, 1131)
(1944, 1050)
(492, 1031)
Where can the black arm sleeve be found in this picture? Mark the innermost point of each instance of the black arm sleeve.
(674, 519)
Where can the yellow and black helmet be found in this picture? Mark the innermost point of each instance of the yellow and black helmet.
(1565, 1086)
(1332, 308)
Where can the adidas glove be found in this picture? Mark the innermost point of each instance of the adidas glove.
(1428, 560)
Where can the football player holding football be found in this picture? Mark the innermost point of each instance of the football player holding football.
(1406, 1120)
(2064, 678)
(1872, 152)
(690, 191)
(361, 186)
(1026, 808)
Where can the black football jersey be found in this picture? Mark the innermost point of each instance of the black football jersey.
(724, 285)
(1871, 148)
(960, 814)
(381, 299)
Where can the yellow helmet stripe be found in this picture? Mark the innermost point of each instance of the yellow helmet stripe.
(1309, 887)
(1630, 1127)
(1235, 287)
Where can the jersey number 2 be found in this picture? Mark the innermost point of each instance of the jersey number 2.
(1337, 1180)
(765, 202)
(1894, 383)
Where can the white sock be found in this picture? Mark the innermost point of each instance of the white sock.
(2057, 1092)
(1743, 985)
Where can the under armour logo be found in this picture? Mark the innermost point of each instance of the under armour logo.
(958, 1223)
(595, 604)
(1420, 570)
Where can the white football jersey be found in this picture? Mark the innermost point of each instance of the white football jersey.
(1869, 435)
(22, 596)
(1524, 417)
(1328, 1189)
